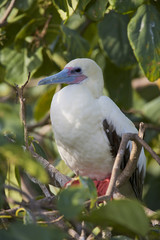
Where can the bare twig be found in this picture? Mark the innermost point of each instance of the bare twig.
(56, 178)
(138, 142)
(22, 109)
(133, 159)
(73, 234)
(7, 12)
(115, 170)
(18, 190)
(148, 148)
(39, 124)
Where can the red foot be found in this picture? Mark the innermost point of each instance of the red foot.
(100, 185)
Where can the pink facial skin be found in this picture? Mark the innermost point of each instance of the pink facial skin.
(78, 77)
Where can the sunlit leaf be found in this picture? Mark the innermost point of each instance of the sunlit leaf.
(43, 104)
(144, 35)
(16, 155)
(125, 216)
(113, 34)
(19, 64)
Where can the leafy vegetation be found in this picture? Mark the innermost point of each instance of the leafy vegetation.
(40, 37)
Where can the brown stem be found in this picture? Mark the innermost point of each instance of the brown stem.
(22, 109)
(133, 159)
(7, 12)
(56, 178)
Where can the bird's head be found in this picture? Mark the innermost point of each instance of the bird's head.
(79, 71)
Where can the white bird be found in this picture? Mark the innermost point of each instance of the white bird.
(88, 126)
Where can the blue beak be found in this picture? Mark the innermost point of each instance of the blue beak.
(62, 77)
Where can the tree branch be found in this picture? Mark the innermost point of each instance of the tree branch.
(133, 159)
(57, 179)
(7, 12)
(138, 142)
(22, 109)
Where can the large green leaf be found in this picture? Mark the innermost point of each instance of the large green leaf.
(118, 83)
(19, 64)
(43, 104)
(32, 232)
(144, 36)
(151, 110)
(10, 124)
(113, 34)
(71, 202)
(125, 6)
(95, 10)
(76, 45)
(14, 154)
(125, 216)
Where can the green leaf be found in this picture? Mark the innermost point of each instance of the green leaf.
(144, 35)
(10, 124)
(39, 149)
(113, 35)
(125, 216)
(76, 45)
(16, 155)
(32, 232)
(82, 4)
(61, 4)
(71, 201)
(24, 5)
(26, 30)
(151, 110)
(121, 238)
(89, 185)
(19, 64)
(43, 104)
(125, 6)
(118, 83)
(2, 71)
(95, 10)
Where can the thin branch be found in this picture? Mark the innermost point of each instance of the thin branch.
(73, 234)
(39, 124)
(115, 170)
(18, 190)
(6, 14)
(56, 178)
(133, 159)
(22, 109)
(148, 148)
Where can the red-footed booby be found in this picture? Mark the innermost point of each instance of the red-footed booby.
(88, 126)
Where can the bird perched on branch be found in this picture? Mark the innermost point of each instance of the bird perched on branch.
(88, 126)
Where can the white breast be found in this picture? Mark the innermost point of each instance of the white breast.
(77, 124)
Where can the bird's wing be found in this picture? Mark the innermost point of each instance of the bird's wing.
(115, 124)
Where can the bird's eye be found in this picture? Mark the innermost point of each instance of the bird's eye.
(78, 70)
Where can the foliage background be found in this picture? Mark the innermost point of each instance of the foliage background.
(40, 37)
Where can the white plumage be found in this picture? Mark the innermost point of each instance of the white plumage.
(77, 115)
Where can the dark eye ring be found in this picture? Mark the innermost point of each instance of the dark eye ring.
(78, 70)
